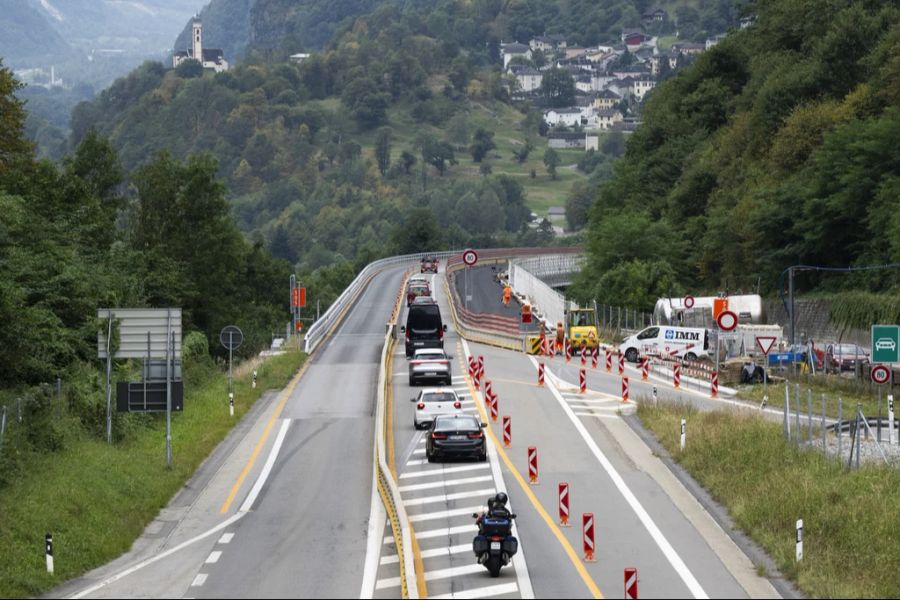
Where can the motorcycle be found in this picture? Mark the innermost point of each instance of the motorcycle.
(495, 545)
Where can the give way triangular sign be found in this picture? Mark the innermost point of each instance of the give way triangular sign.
(765, 343)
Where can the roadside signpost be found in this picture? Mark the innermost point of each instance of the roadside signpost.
(765, 344)
(231, 337)
(881, 374)
(470, 258)
(689, 302)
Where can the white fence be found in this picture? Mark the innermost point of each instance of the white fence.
(525, 277)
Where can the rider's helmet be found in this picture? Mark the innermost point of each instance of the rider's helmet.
(500, 500)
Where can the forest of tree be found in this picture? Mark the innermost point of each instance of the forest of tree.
(777, 148)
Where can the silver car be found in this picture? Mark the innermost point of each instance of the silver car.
(432, 402)
(429, 364)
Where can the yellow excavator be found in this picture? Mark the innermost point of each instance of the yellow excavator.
(581, 327)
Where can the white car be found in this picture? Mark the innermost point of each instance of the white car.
(429, 364)
(432, 402)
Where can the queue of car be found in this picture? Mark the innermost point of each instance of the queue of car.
(452, 433)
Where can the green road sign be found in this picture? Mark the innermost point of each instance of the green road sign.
(885, 343)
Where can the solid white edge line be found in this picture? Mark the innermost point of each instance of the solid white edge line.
(671, 555)
(267, 468)
(377, 523)
(518, 560)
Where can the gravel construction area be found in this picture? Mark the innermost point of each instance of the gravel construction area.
(868, 449)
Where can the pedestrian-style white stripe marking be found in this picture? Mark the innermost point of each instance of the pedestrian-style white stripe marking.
(214, 557)
(445, 551)
(445, 514)
(447, 497)
(572, 401)
(199, 580)
(674, 559)
(226, 538)
(419, 451)
(581, 414)
(267, 468)
(433, 575)
(430, 472)
(489, 591)
(440, 532)
(444, 483)
(601, 408)
(416, 461)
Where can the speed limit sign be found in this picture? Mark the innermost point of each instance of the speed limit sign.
(881, 374)
(470, 257)
(689, 302)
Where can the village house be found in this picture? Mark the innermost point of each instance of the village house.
(583, 83)
(710, 42)
(528, 78)
(608, 118)
(575, 51)
(569, 117)
(511, 51)
(656, 15)
(688, 48)
(606, 99)
(641, 85)
(566, 139)
(210, 58)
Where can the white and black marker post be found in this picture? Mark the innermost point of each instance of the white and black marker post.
(655, 396)
(48, 551)
(891, 419)
(254, 379)
(683, 433)
(799, 540)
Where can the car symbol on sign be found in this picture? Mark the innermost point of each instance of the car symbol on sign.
(885, 344)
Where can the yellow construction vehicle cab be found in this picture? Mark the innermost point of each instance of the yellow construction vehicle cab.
(581, 327)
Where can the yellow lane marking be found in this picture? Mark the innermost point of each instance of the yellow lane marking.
(567, 547)
(285, 394)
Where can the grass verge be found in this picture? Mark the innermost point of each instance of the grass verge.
(96, 499)
(851, 523)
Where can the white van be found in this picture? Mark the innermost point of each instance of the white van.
(662, 340)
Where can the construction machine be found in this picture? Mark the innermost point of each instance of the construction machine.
(581, 327)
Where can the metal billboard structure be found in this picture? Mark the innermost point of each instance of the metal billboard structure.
(153, 335)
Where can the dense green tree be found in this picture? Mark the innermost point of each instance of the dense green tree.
(383, 149)
(558, 88)
(551, 161)
(482, 143)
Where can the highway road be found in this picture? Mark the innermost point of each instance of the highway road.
(286, 507)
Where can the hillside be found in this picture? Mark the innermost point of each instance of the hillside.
(28, 37)
(777, 148)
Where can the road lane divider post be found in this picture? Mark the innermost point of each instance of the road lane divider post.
(582, 381)
(631, 583)
(564, 504)
(714, 384)
(595, 356)
(676, 375)
(645, 368)
(532, 465)
(609, 361)
(621, 363)
(507, 430)
(495, 408)
(568, 351)
(489, 389)
(587, 528)
(624, 389)
(540, 373)
(584, 356)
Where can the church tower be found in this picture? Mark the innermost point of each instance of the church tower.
(196, 38)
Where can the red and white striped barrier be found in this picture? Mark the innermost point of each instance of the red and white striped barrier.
(595, 356)
(472, 367)
(507, 431)
(548, 347)
(676, 375)
(631, 583)
(532, 465)
(584, 352)
(480, 367)
(609, 361)
(582, 380)
(587, 528)
(488, 390)
(624, 389)
(714, 384)
(568, 351)
(540, 373)
(645, 368)
(564, 504)
(621, 363)
(495, 408)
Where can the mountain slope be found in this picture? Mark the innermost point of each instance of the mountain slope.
(28, 38)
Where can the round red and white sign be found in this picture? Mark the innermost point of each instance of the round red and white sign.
(727, 320)
(470, 257)
(689, 302)
(881, 374)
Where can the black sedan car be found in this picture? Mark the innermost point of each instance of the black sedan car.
(456, 436)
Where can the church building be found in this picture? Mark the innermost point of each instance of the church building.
(210, 58)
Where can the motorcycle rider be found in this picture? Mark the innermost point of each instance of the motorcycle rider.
(496, 509)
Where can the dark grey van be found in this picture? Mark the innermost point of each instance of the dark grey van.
(424, 328)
